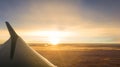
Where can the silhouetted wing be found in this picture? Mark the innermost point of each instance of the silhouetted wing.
(16, 53)
(14, 37)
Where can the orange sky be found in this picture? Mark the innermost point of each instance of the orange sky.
(70, 21)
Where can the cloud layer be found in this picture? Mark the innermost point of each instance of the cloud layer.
(89, 20)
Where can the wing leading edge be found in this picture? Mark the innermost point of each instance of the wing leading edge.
(14, 37)
(16, 53)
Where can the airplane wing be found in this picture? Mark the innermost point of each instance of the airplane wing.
(16, 53)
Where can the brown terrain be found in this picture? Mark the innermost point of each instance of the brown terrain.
(81, 56)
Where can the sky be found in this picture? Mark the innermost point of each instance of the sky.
(66, 21)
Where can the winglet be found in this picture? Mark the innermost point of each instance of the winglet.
(14, 38)
(11, 30)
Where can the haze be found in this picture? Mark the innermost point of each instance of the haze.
(66, 21)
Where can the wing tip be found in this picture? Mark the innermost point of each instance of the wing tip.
(10, 29)
(14, 37)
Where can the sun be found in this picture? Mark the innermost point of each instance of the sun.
(51, 37)
(54, 41)
(54, 38)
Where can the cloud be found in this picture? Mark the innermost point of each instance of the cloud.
(83, 18)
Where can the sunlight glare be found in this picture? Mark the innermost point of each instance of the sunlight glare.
(54, 38)
(54, 41)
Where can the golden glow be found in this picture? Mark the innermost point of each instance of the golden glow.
(52, 37)
(50, 33)
(54, 40)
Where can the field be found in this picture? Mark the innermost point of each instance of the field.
(81, 56)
